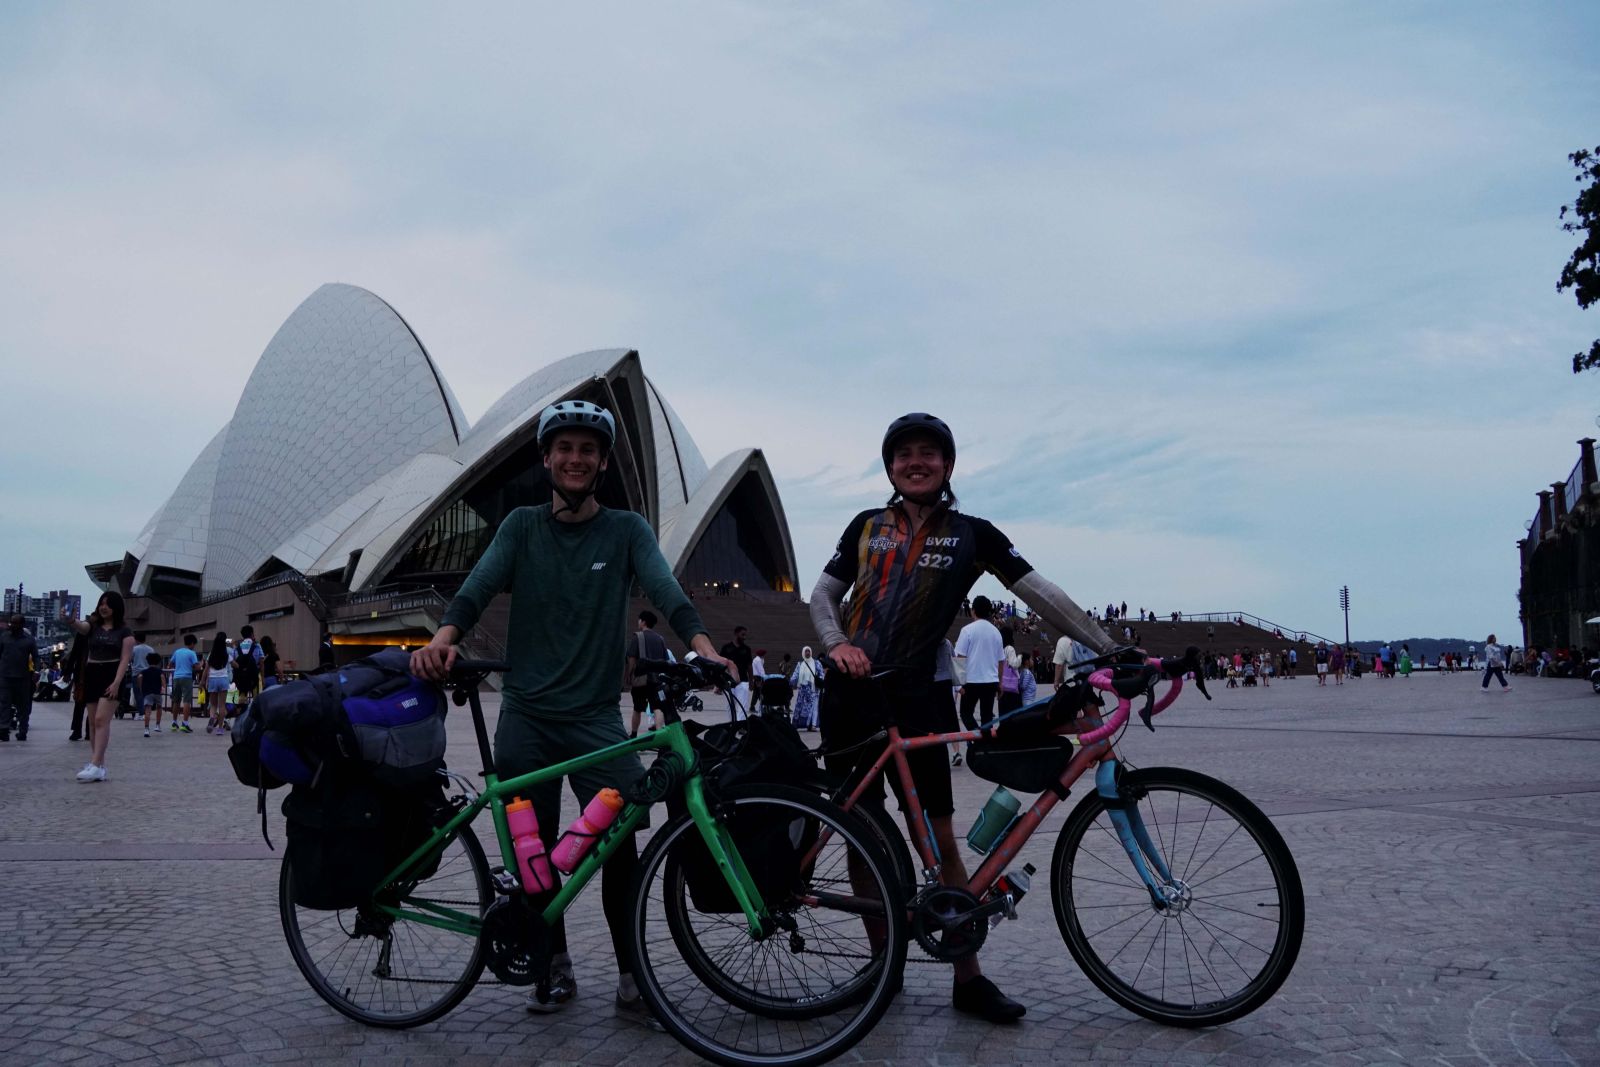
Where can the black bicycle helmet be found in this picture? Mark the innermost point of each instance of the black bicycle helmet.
(917, 420)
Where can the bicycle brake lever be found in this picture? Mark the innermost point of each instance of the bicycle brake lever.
(1145, 715)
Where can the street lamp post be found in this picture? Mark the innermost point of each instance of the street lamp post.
(1344, 606)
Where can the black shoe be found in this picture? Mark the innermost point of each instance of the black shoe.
(74, 737)
(22, 735)
(981, 997)
(5, 735)
(552, 994)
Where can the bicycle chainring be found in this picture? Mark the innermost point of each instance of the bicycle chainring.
(516, 942)
(937, 936)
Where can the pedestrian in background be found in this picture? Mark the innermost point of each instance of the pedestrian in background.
(219, 678)
(1494, 662)
(807, 682)
(109, 648)
(19, 656)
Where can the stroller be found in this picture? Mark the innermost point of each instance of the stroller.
(776, 694)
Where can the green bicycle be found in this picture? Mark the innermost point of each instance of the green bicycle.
(746, 963)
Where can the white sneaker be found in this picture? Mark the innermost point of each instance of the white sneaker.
(147, 731)
(91, 773)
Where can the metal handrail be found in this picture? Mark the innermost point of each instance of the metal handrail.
(301, 583)
(1574, 487)
(1254, 620)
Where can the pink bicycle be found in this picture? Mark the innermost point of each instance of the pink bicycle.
(1175, 894)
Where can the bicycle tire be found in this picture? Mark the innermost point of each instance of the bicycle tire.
(779, 1001)
(1085, 863)
(343, 975)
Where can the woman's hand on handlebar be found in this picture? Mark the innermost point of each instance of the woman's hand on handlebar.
(434, 660)
(850, 659)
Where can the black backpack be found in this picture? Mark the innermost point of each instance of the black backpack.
(246, 675)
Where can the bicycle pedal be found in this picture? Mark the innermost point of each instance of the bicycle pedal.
(504, 880)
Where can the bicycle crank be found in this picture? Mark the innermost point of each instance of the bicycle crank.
(949, 923)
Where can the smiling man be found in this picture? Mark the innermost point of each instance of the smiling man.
(569, 566)
(908, 566)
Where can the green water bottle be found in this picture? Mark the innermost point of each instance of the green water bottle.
(993, 820)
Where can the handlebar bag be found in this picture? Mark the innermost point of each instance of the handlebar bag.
(1031, 767)
(399, 729)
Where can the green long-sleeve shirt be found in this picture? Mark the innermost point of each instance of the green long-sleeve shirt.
(569, 584)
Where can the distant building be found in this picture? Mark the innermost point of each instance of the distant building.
(41, 614)
(349, 489)
(1560, 587)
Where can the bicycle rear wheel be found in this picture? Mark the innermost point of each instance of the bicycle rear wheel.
(390, 972)
(1227, 933)
(805, 993)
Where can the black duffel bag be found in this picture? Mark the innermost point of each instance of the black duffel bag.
(347, 831)
(763, 750)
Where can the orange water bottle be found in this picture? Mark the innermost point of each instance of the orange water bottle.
(581, 835)
(533, 866)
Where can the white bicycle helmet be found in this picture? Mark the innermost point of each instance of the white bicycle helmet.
(577, 415)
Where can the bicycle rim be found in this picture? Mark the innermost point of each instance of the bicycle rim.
(806, 993)
(394, 972)
(1232, 936)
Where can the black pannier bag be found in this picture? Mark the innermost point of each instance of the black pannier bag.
(348, 831)
(1028, 767)
(764, 750)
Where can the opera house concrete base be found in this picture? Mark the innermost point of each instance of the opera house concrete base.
(349, 490)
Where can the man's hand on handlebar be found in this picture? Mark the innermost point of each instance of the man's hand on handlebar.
(702, 648)
(434, 660)
(850, 659)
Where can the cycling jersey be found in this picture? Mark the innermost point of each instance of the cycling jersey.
(907, 585)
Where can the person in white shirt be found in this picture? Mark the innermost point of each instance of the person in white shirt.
(1494, 663)
(1068, 652)
(979, 650)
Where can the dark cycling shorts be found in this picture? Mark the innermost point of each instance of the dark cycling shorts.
(852, 710)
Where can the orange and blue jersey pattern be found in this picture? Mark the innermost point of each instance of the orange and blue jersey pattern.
(907, 585)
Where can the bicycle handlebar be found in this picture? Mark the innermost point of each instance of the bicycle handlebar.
(1133, 680)
(696, 671)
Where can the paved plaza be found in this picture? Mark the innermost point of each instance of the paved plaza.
(1448, 839)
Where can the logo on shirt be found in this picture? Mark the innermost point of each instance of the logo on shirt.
(599, 566)
(882, 544)
(943, 542)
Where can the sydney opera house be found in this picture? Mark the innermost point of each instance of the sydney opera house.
(349, 491)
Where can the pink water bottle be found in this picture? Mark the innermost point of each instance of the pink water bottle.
(575, 843)
(533, 866)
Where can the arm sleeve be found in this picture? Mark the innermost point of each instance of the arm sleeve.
(491, 576)
(655, 578)
(1049, 600)
(826, 597)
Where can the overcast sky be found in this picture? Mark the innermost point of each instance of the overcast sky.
(1229, 304)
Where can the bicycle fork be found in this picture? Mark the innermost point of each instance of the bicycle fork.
(1166, 892)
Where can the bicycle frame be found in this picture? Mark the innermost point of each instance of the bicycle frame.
(495, 794)
(1131, 831)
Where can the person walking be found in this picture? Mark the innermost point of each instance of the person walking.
(645, 644)
(218, 679)
(1494, 664)
(19, 658)
(109, 649)
(1405, 661)
(72, 670)
(979, 653)
(269, 662)
(1336, 664)
(740, 655)
(807, 682)
(184, 662)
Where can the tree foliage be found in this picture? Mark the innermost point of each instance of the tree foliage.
(1582, 272)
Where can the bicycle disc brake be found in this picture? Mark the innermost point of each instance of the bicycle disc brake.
(516, 941)
(938, 927)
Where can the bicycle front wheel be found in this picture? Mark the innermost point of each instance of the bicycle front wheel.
(389, 972)
(1222, 930)
(804, 993)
